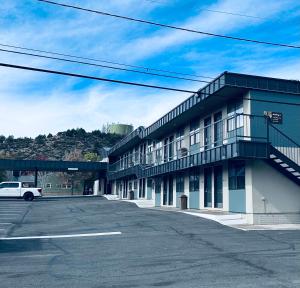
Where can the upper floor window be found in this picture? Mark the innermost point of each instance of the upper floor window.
(194, 132)
(179, 141)
(235, 120)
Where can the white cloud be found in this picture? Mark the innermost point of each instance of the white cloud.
(30, 106)
(97, 106)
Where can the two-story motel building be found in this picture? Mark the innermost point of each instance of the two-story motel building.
(233, 147)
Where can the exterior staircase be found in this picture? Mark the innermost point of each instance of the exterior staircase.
(284, 154)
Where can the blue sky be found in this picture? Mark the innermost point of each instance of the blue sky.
(33, 103)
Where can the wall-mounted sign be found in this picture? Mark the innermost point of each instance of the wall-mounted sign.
(275, 117)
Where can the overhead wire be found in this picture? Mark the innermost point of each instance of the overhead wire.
(216, 11)
(102, 61)
(171, 26)
(195, 93)
(28, 68)
(102, 66)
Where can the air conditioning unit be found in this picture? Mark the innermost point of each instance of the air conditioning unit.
(183, 152)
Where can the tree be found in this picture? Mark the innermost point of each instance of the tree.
(41, 139)
(74, 155)
(90, 156)
(10, 139)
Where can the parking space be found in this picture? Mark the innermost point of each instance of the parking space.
(93, 242)
(11, 212)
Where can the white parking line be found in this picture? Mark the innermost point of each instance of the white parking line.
(34, 255)
(63, 236)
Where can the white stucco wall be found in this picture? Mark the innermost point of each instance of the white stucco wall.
(280, 193)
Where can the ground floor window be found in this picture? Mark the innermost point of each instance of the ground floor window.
(142, 188)
(194, 181)
(208, 187)
(218, 187)
(236, 175)
(179, 188)
(168, 190)
(180, 184)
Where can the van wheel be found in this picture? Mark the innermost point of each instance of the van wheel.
(28, 196)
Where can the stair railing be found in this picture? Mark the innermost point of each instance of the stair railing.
(283, 143)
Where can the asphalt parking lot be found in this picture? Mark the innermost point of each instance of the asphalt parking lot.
(155, 248)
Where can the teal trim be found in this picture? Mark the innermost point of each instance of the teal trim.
(194, 200)
(290, 113)
(237, 201)
(157, 199)
(149, 193)
(178, 194)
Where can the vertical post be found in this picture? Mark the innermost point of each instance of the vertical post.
(35, 177)
(268, 136)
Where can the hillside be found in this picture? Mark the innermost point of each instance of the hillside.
(74, 144)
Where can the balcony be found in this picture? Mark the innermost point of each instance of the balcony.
(239, 135)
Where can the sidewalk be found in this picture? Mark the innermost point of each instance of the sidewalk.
(234, 220)
(141, 203)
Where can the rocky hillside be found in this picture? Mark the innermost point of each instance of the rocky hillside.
(74, 144)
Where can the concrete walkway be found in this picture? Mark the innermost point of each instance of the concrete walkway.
(234, 220)
(141, 203)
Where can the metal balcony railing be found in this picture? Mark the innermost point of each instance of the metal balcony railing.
(225, 131)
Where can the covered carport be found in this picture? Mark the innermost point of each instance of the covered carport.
(99, 169)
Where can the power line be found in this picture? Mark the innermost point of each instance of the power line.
(102, 61)
(233, 14)
(171, 26)
(102, 66)
(92, 77)
(216, 11)
(198, 93)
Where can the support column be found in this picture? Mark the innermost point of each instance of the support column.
(35, 177)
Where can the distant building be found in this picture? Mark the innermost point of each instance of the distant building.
(120, 129)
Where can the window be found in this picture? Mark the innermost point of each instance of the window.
(179, 184)
(27, 184)
(48, 185)
(166, 149)
(158, 185)
(4, 185)
(179, 142)
(194, 181)
(13, 185)
(218, 129)
(158, 153)
(235, 120)
(236, 175)
(194, 132)
(68, 186)
(171, 148)
(135, 184)
(207, 133)
(136, 155)
(58, 186)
